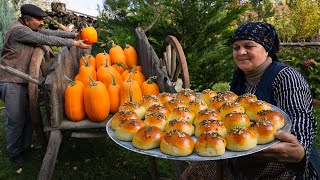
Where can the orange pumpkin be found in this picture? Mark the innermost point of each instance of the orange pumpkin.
(131, 56)
(138, 68)
(87, 58)
(114, 95)
(84, 72)
(149, 87)
(101, 59)
(117, 54)
(130, 91)
(73, 100)
(89, 34)
(119, 67)
(96, 101)
(103, 75)
(136, 76)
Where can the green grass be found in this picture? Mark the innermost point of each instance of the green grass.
(98, 158)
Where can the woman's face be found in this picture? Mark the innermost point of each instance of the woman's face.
(248, 55)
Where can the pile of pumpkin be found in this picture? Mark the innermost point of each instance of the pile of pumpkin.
(105, 82)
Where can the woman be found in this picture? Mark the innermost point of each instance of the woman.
(259, 72)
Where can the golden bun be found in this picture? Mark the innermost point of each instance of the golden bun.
(158, 108)
(216, 102)
(180, 124)
(228, 95)
(135, 107)
(128, 128)
(186, 95)
(256, 106)
(273, 116)
(206, 114)
(240, 139)
(245, 99)
(147, 137)
(156, 119)
(264, 131)
(177, 143)
(236, 119)
(210, 144)
(165, 97)
(230, 107)
(148, 100)
(210, 126)
(196, 105)
(206, 95)
(173, 103)
(182, 113)
(120, 116)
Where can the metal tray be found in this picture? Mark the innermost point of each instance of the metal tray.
(194, 156)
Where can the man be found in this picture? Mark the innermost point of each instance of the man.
(22, 37)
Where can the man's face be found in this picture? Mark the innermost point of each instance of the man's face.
(34, 23)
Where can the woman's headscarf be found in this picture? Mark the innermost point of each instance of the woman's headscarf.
(262, 33)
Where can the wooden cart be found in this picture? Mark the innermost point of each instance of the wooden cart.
(47, 84)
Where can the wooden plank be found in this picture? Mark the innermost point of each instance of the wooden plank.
(173, 63)
(49, 160)
(89, 134)
(300, 44)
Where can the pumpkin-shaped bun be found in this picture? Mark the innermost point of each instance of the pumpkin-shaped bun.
(274, 117)
(210, 126)
(206, 95)
(180, 124)
(196, 105)
(158, 108)
(182, 113)
(245, 99)
(135, 107)
(148, 100)
(230, 107)
(156, 119)
(264, 131)
(210, 144)
(256, 106)
(206, 114)
(173, 103)
(147, 137)
(236, 119)
(127, 128)
(165, 97)
(177, 143)
(240, 139)
(120, 116)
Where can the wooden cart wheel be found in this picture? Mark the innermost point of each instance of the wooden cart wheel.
(175, 63)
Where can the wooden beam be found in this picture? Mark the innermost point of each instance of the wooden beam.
(300, 44)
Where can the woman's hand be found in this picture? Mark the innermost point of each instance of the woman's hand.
(81, 44)
(289, 150)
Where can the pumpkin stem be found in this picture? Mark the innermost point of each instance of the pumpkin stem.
(129, 78)
(131, 93)
(112, 43)
(107, 65)
(152, 79)
(114, 82)
(70, 81)
(86, 63)
(92, 82)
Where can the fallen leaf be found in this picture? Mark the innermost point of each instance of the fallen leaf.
(19, 170)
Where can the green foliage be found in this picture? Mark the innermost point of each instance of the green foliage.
(305, 60)
(7, 15)
(221, 87)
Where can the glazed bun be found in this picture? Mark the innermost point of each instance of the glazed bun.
(186, 95)
(264, 131)
(182, 113)
(120, 116)
(165, 97)
(216, 102)
(128, 128)
(173, 103)
(274, 117)
(196, 105)
(206, 114)
(156, 119)
(135, 107)
(245, 99)
(229, 96)
(148, 100)
(177, 143)
(147, 137)
(206, 95)
(256, 106)
(158, 108)
(240, 139)
(210, 144)
(236, 119)
(230, 107)
(180, 124)
(210, 126)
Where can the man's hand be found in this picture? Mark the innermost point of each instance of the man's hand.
(289, 150)
(81, 44)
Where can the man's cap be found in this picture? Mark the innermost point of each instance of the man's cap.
(33, 11)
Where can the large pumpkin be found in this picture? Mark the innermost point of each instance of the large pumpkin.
(73, 100)
(89, 34)
(114, 95)
(149, 87)
(101, 59)
(84, 72)
(96, 101)
(117, 54)
(103, 75)
(130, 91)
(131, 56)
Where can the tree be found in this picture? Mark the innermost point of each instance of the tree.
(7, 15)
